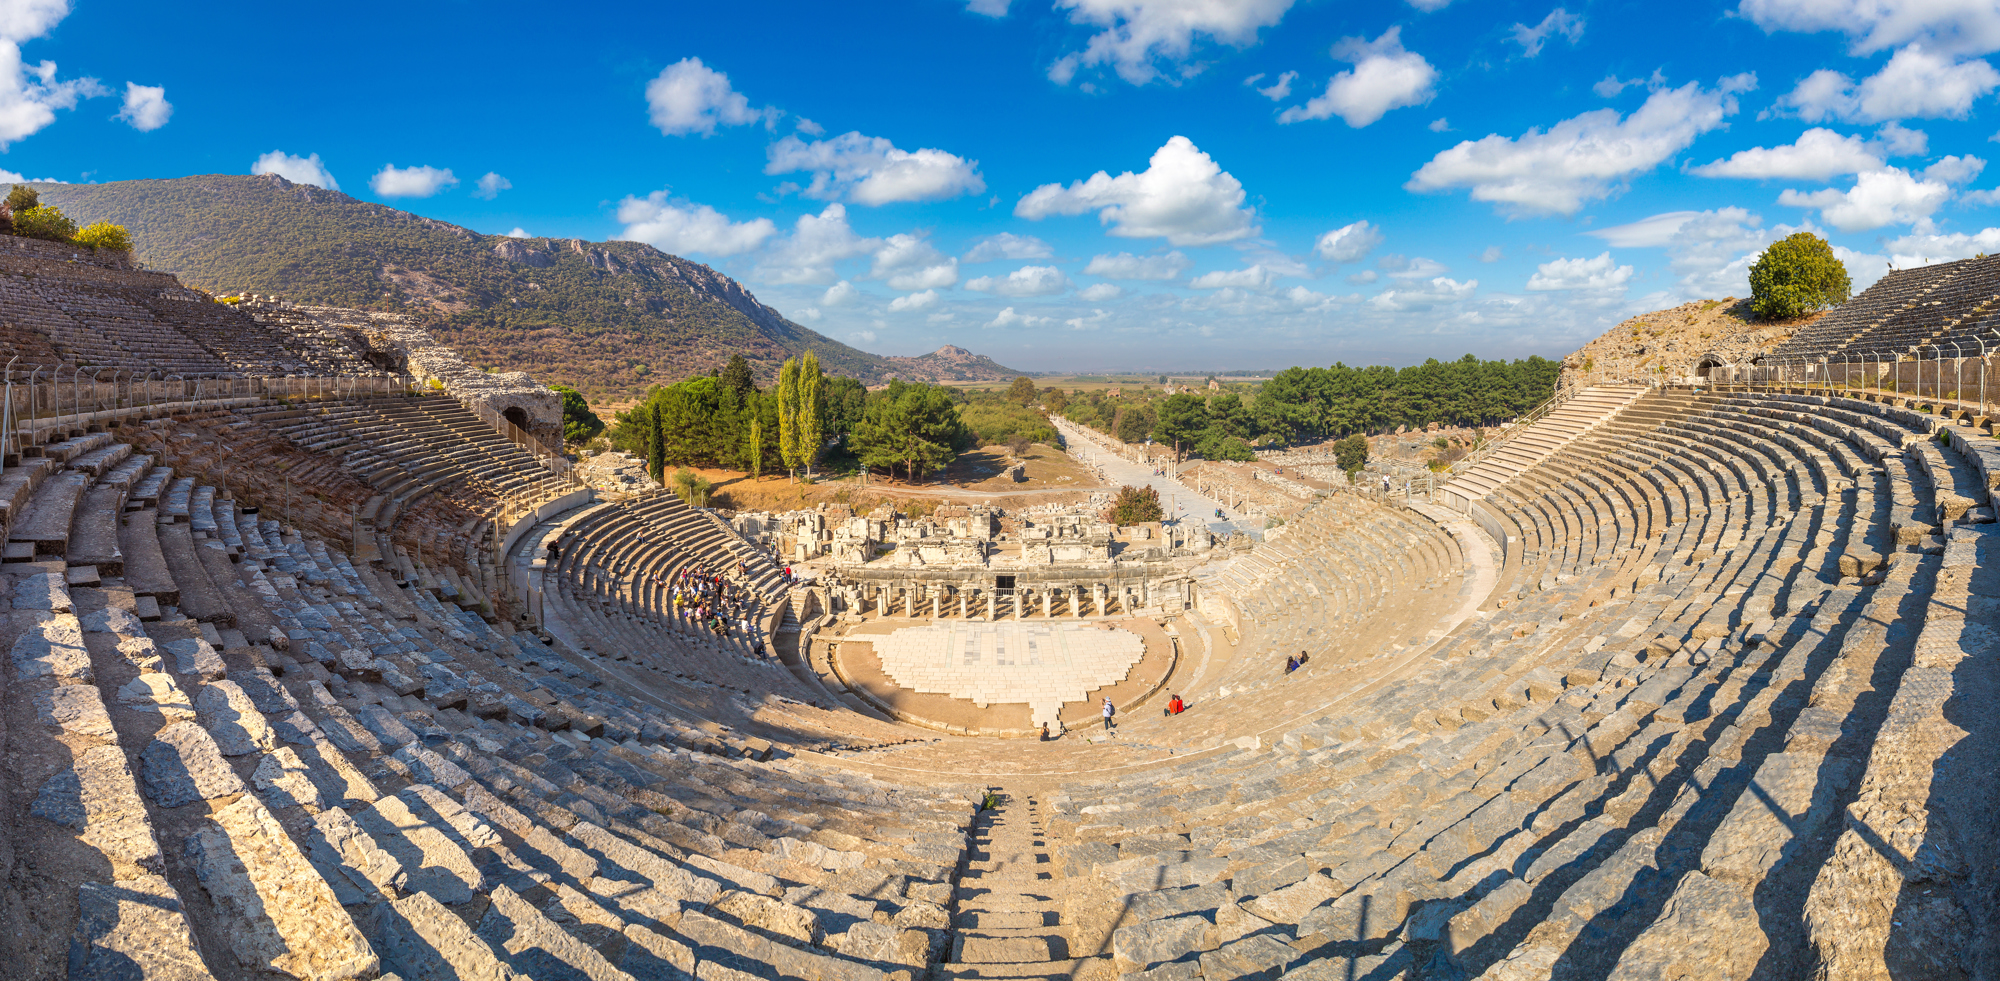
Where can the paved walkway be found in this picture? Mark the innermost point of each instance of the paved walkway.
(1178, 499)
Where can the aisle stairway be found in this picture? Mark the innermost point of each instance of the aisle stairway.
(1583, 412)
(1008, 908)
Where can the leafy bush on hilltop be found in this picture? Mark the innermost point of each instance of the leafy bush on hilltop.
(1797, 275)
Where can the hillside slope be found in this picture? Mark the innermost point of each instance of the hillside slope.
(612, 318)
(1673, 341)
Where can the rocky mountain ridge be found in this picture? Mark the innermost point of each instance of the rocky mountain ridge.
(612, 318)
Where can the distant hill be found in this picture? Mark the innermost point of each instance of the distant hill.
(950, 363)
(612, 318)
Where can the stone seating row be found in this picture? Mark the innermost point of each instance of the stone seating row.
(1578, 783)
(252, 755)
(1895, 292)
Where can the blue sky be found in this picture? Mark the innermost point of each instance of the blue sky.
(1182, 184)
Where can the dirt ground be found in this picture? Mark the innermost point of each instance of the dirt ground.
(977, 476)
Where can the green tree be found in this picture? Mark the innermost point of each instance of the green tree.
(737, 380)
(1217, 445)
(44, 222)
(1797, 275)
(788, 414)
(756, 446)
(21, 198)
(914, 426)
(1134, 505)
(1022, 392)
(1180, 419)
(580, 425)
(1351, 454)
(812, 426)
(1134, 423)
(656, 456)
(105, 235)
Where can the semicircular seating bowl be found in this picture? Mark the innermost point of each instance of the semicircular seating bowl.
(1714, 701)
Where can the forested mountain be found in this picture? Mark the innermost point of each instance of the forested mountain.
(611, 318)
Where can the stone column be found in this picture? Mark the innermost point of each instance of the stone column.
(1097, 592)
(992, 606)
(1077, 594)
(1020, 600)
(1048, 603)
(961, 602)
(937, 600)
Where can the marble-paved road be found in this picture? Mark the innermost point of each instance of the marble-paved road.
(1179, 500)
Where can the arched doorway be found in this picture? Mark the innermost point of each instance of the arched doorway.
(1705, 368)
(518, 417)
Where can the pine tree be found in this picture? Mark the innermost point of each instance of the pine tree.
(788, 414)
(812, 424)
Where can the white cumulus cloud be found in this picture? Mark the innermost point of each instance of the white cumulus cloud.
(491, 185)
(1914, 250)
(1653, 231)
(1957, 26)
(1249, 278)
(838, 294)
(1134, 36)
(1601, 273)
(685, 227)
(519, 232)
(1424, 296)
(410, 182)
(146, 107)
(1884, 197)
(1008, 245)
(914, 301)
(1818, 154)
(1025, 281)
(1559, 22)
(1384, 77)
(1405, 267)
(299, 170)
(1555, 171)
(1183, 196)
(30, 94)
(817, 242)
(1008, 318)
(1348, 242)
(871, 170)
(690, 97)
(908, 262)
(1276, 91)
(1125, 265)
(1916, 83)
(1099, 292)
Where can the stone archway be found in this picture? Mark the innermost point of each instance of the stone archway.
(1705, 367)
(516, 415)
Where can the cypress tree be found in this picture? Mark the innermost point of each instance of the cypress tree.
(812, 425)
(788, 414)
(657, 446)
(756, 443)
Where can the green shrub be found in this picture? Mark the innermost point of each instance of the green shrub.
(44, 222)
(692, 487)
(105, 235)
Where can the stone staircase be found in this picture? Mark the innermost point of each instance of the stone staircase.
(1582, 412)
